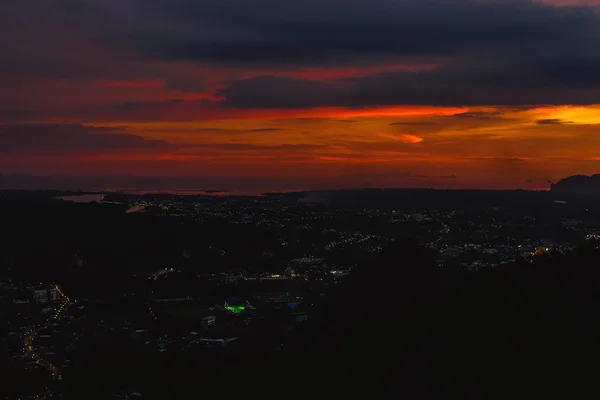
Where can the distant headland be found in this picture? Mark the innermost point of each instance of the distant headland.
(578, 184)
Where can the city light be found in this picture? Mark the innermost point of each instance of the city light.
(236, 309)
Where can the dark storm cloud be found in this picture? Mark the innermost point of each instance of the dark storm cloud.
(281, 92)
(463, 83)
(480, 116)
(57, 139)
(552, 121)
(271, 32)
(488, 52)
(509, 53)
(317, 31)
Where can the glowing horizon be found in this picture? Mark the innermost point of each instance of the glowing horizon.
(352, 102)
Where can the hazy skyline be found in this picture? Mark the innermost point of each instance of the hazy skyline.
(328, 93)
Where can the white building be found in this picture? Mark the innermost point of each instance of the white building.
(208, 321)
(40, 296)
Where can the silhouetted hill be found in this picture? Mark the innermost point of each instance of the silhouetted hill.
(578, 184)
(401, 325)
(411, 199)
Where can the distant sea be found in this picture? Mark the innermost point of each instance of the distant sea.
(83, 198)
(187, 192)
(88, 198)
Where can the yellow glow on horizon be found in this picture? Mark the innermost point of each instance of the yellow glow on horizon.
(583, 115)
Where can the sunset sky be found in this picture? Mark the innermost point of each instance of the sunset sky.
(313, 93)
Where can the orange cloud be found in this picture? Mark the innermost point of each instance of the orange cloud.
(492, 147)
(410, 139)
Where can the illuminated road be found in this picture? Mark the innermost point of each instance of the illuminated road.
(35, 353)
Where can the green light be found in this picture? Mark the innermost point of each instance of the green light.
(236, 309)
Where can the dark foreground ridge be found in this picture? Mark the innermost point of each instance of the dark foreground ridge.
(399, 324)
